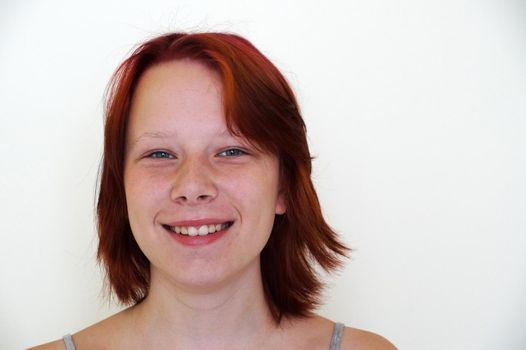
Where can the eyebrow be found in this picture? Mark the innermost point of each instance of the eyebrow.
(163, 135)
(151, 135)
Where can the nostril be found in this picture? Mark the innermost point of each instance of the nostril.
(192, 192)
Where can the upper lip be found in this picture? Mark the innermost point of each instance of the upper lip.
(198, 222)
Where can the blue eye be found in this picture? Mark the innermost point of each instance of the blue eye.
(160, 154)
(232, 152)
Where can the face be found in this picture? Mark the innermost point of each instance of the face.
(201, 201)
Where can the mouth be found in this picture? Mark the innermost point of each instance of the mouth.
(200, 230)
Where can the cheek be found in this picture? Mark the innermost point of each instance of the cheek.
(254, 190)
(143, 192)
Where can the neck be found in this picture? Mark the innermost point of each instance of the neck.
(212, 317)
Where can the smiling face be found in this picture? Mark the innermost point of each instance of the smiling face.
(201, 201)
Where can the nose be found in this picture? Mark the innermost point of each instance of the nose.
(193, 183)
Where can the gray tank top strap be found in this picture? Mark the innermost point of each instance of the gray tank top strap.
(336, 336)
(335, 339)
(68, 340)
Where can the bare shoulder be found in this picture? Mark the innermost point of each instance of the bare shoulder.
(54, 345)
(358, 339)
(102, 335)
(315, 332)
(96, 336)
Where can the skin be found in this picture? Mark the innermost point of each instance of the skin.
(182, 164)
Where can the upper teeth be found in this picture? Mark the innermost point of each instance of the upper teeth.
(198, 230)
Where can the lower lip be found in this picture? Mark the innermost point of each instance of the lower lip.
(196, 241)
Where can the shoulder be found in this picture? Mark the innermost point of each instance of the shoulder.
(99, 336)
(358, 339)
(315, 332)
(104, 334)
(55, 345)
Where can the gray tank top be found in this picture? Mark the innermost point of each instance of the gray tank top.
(68, 340)
(335, 339)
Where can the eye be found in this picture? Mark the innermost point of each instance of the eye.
(160, 155)
(232, 152)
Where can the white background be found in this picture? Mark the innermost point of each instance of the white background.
(416, 112)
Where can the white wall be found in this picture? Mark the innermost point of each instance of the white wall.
(417, 114)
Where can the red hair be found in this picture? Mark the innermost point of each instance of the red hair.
(260, 106)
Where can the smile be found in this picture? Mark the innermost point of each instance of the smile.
(202, 230)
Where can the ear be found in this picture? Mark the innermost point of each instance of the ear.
(281, 206)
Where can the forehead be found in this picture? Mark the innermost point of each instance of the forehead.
(181, 97)
(180, 92)
(180, 82)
